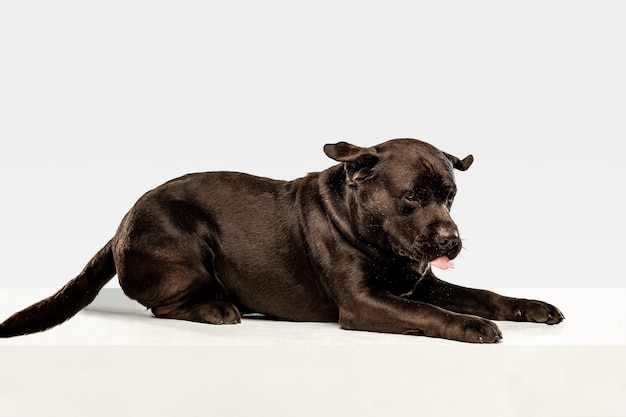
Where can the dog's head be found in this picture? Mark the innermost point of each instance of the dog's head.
(400, 193)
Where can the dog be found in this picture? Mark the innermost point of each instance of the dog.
(354, 244)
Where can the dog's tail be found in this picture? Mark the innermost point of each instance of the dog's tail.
(68, 301)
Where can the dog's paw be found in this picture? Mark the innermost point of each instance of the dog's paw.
(473, 329)
(212, 312)
(479, 330)
(537, 311)
(220, 312)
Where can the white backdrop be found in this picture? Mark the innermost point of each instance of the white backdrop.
(101, 101)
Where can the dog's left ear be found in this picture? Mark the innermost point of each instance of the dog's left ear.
(358, 162)
(460, 164)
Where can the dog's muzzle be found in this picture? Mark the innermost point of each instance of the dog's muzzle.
(438, 247)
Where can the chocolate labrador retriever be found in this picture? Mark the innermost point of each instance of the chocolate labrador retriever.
(353, 244)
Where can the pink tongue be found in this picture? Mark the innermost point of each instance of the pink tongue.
(443, 262)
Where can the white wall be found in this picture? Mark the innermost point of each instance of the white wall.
(99, 103)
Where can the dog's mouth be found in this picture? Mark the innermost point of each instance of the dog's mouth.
(423, 253)
(442, 262)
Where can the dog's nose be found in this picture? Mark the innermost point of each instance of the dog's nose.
(448, 237)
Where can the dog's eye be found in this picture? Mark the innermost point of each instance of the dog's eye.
(413, 196)
(449, 197)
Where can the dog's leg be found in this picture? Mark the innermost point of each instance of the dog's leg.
(483, 303)
(176, 283)
(181, 293)
(384, 312)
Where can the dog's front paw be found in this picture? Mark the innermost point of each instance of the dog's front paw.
(473, 329)
(537, 311)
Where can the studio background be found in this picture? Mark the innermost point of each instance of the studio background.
(101, 102)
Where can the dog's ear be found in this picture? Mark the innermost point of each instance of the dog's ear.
(460, 164)
(358, 162)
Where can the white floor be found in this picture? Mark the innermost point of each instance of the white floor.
(115, 359)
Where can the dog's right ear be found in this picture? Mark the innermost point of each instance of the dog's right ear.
(460, 164)
(358, 162)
